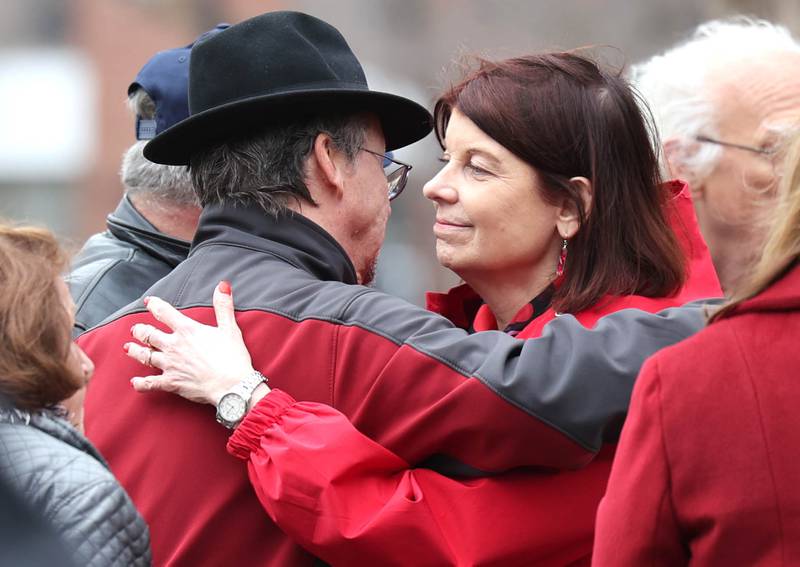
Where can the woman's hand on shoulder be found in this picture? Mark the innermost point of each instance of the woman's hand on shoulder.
(198, 362)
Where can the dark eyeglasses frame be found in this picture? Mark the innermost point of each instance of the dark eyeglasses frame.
(398, 178)
(760, 151)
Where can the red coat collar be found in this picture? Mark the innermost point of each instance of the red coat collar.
(701, 281)
(783, 295)
(460, 304)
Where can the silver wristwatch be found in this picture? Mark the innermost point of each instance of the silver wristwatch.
(233, 404)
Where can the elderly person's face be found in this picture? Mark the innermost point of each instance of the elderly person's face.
(77, 361)
(758, 105)
(490, 219)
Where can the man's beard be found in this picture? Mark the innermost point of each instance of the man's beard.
(367, 275)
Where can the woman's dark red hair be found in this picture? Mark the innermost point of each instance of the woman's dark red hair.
(567, 117)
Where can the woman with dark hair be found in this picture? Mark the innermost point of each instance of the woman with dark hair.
(707, 467)
(549, 202)
(43, 377)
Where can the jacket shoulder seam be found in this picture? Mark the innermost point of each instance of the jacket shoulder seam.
(529, 411)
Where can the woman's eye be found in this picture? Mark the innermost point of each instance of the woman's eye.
(476, 170)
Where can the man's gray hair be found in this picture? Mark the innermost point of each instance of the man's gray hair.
(675, 83)
(139, 175)
(268, 167)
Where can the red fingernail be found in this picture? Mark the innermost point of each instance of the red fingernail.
(225, 287)
(126, 347)
(146, 299)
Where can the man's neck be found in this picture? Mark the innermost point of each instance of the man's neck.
(333, 226)
(173, 219)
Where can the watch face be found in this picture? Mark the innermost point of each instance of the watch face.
(232, 407)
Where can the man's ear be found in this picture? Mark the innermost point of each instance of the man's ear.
(677, 153)
(328, 167)
(568, 221)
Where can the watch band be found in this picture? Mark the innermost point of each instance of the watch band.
(247, 386)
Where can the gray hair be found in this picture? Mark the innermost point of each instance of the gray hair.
(674, 83)
(139, 175)
(268, 167)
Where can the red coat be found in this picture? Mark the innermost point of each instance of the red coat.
(707, 468)
(351, 501)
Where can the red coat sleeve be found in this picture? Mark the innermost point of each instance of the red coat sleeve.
(636, 522)
(349, 501)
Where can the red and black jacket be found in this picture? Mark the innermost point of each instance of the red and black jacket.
(407, 378)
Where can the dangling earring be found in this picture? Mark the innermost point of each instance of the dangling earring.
(562, 259)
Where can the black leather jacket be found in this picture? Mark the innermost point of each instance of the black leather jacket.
(117, 266)
(60, 474)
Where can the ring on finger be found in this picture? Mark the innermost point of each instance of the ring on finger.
(146, 340)
(149, 357)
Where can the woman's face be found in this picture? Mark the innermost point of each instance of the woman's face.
(77, 361)
(490, 219)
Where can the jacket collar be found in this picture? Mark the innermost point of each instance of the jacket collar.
(782, 295)
(291, 236)
(128, 225)
(465, 309)
(51, 421)
(485, 320)
(459, 304)
(701, 278)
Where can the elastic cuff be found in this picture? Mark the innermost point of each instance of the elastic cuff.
(247, 436)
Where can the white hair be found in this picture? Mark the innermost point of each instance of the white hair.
(674, 83)
(139, 175)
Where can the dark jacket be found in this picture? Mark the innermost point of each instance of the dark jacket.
(26, 539)
(62, 476)
(117, 266)
(707, 469)
(406, 377)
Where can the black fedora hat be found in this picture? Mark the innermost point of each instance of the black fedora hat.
(270, 68)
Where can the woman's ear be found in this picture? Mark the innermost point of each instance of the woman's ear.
(568, 221)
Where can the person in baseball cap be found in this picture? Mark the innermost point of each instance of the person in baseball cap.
(149, 232)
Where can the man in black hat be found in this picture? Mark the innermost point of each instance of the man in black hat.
(286, 146)
(149, 232)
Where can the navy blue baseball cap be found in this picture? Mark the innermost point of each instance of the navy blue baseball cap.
(165, 77)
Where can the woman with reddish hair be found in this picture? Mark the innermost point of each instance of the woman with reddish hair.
(549, 202)
(43, 378)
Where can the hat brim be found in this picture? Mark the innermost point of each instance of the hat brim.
(404, 121)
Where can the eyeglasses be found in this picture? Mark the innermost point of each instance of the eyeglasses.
(769, 152)
(396, 178)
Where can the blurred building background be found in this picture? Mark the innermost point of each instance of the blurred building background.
(65, 66)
